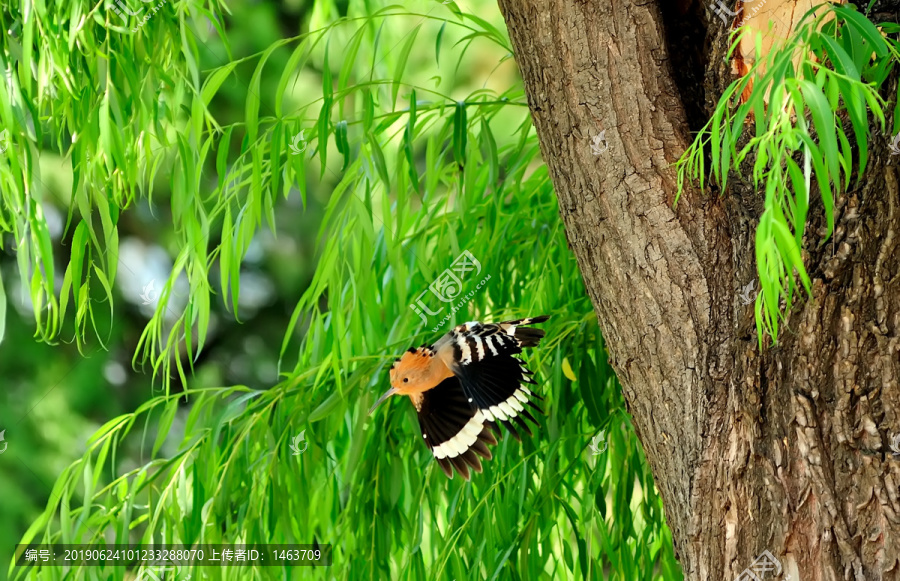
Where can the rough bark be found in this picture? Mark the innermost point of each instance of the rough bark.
(782, 449)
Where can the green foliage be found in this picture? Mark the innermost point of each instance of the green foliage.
(420, 164)
(831, 68)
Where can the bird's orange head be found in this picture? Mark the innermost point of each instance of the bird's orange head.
(416, 371)
(410, 373)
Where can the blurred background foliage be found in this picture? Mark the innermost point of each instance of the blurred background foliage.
(213, 224)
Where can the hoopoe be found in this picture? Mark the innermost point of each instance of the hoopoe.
(465, 383)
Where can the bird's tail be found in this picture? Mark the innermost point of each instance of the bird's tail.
(526, 336)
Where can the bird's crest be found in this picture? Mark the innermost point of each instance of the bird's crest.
(413, 362)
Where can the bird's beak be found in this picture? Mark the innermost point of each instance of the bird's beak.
(386, 395)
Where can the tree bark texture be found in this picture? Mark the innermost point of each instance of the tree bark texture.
(784, 449)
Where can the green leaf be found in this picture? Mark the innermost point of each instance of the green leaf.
(865, 27)
(2, 309)
(823, 118)
(214, 81)
(294, 64)
(326, 408)
(379, 161)
(460, 134)
(437, 44)
(340, 139)
(408, 140)
(492, 156)
(839, 58)
(402, 59)
(787, 245)
(324, 123)
(251, 112)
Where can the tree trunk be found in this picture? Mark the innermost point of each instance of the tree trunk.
(783, 449)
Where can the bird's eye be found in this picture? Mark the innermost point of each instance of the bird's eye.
(405, 380)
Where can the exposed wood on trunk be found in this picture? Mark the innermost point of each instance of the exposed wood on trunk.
(784, 450)
(773, 20)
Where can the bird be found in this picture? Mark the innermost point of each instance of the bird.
(466, 382)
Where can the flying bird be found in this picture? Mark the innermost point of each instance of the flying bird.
(464, 384)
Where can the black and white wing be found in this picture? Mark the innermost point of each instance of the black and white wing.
(455, 431)
(485, 359)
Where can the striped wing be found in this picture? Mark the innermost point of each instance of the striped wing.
(455, 431)
(495, 380)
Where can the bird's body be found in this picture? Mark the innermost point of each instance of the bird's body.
(465, 383)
